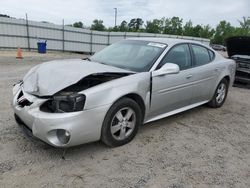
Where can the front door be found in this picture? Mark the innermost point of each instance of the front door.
(173, 91)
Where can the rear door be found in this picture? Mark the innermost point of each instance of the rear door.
(205, 73)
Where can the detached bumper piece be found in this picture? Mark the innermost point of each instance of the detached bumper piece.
(22, 101)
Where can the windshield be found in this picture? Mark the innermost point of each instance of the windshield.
(134, 55)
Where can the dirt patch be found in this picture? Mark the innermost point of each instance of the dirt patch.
(202, 147)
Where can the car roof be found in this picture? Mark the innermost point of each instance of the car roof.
(168, 41)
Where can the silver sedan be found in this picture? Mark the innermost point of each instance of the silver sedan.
(109, 95)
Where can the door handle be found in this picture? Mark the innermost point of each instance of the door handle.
(216, 69)
(189, 76)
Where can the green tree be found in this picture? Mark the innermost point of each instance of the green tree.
(124, 26)
(114, 29)
(78, 25)
(135, 24)
(223, 31)
(172, 26)
(97, 25)
(197, 30)
(206, 31)
(154, 26)
(175, 26)
(188, 29)
(4, 15)
(244, 29)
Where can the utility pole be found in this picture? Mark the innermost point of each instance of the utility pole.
(63, 35)
(27, 29)
(115, 15)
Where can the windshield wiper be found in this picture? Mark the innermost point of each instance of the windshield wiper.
(101, 63)
(86, 58)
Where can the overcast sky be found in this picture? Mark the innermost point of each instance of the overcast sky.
(199, 11)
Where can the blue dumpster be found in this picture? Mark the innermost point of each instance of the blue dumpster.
(41, 46)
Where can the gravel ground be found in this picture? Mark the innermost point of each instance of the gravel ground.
(202, 147)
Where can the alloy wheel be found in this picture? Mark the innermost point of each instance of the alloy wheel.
(221, 93)
(123, 123)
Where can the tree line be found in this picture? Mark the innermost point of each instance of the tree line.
(176, 26)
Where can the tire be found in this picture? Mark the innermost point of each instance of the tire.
(121, 122)
(222, 90)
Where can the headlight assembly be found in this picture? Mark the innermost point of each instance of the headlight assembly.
(65, 102)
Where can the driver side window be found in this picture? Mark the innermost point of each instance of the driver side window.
(179, 55)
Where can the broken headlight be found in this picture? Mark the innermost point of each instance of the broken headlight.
(65, 102)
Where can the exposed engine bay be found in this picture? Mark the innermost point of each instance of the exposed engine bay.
(93, 80)
(69, 100)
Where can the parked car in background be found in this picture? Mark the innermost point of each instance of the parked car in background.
(218, 47)
(238, 49)
(109, 95)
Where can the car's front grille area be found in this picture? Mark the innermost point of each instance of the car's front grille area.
(244, 65)
(242, 74)
(22, 101)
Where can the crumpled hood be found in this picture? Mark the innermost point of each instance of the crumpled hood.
(238, 46)
(48, 78)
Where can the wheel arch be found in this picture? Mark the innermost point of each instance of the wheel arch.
(138, 99)
(132, 97)
(215, 104)
(227, 77)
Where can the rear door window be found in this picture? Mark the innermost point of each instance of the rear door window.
(201, 55)
(211, 53)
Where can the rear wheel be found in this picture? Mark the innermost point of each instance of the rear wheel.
(121, 122)
(220, 94)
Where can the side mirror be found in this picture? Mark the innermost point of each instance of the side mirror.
(168, 68)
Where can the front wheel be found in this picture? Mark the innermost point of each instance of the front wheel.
(121, 122)
(220, 94)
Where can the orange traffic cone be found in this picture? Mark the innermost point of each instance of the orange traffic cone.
(19, 54)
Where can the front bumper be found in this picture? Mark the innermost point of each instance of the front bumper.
(242, 75)
(84, 126)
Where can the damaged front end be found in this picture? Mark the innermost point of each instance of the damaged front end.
(63, 103)
(61, 81)
(70, 100)
(57, 119)
(49, 78)
(93, 80)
